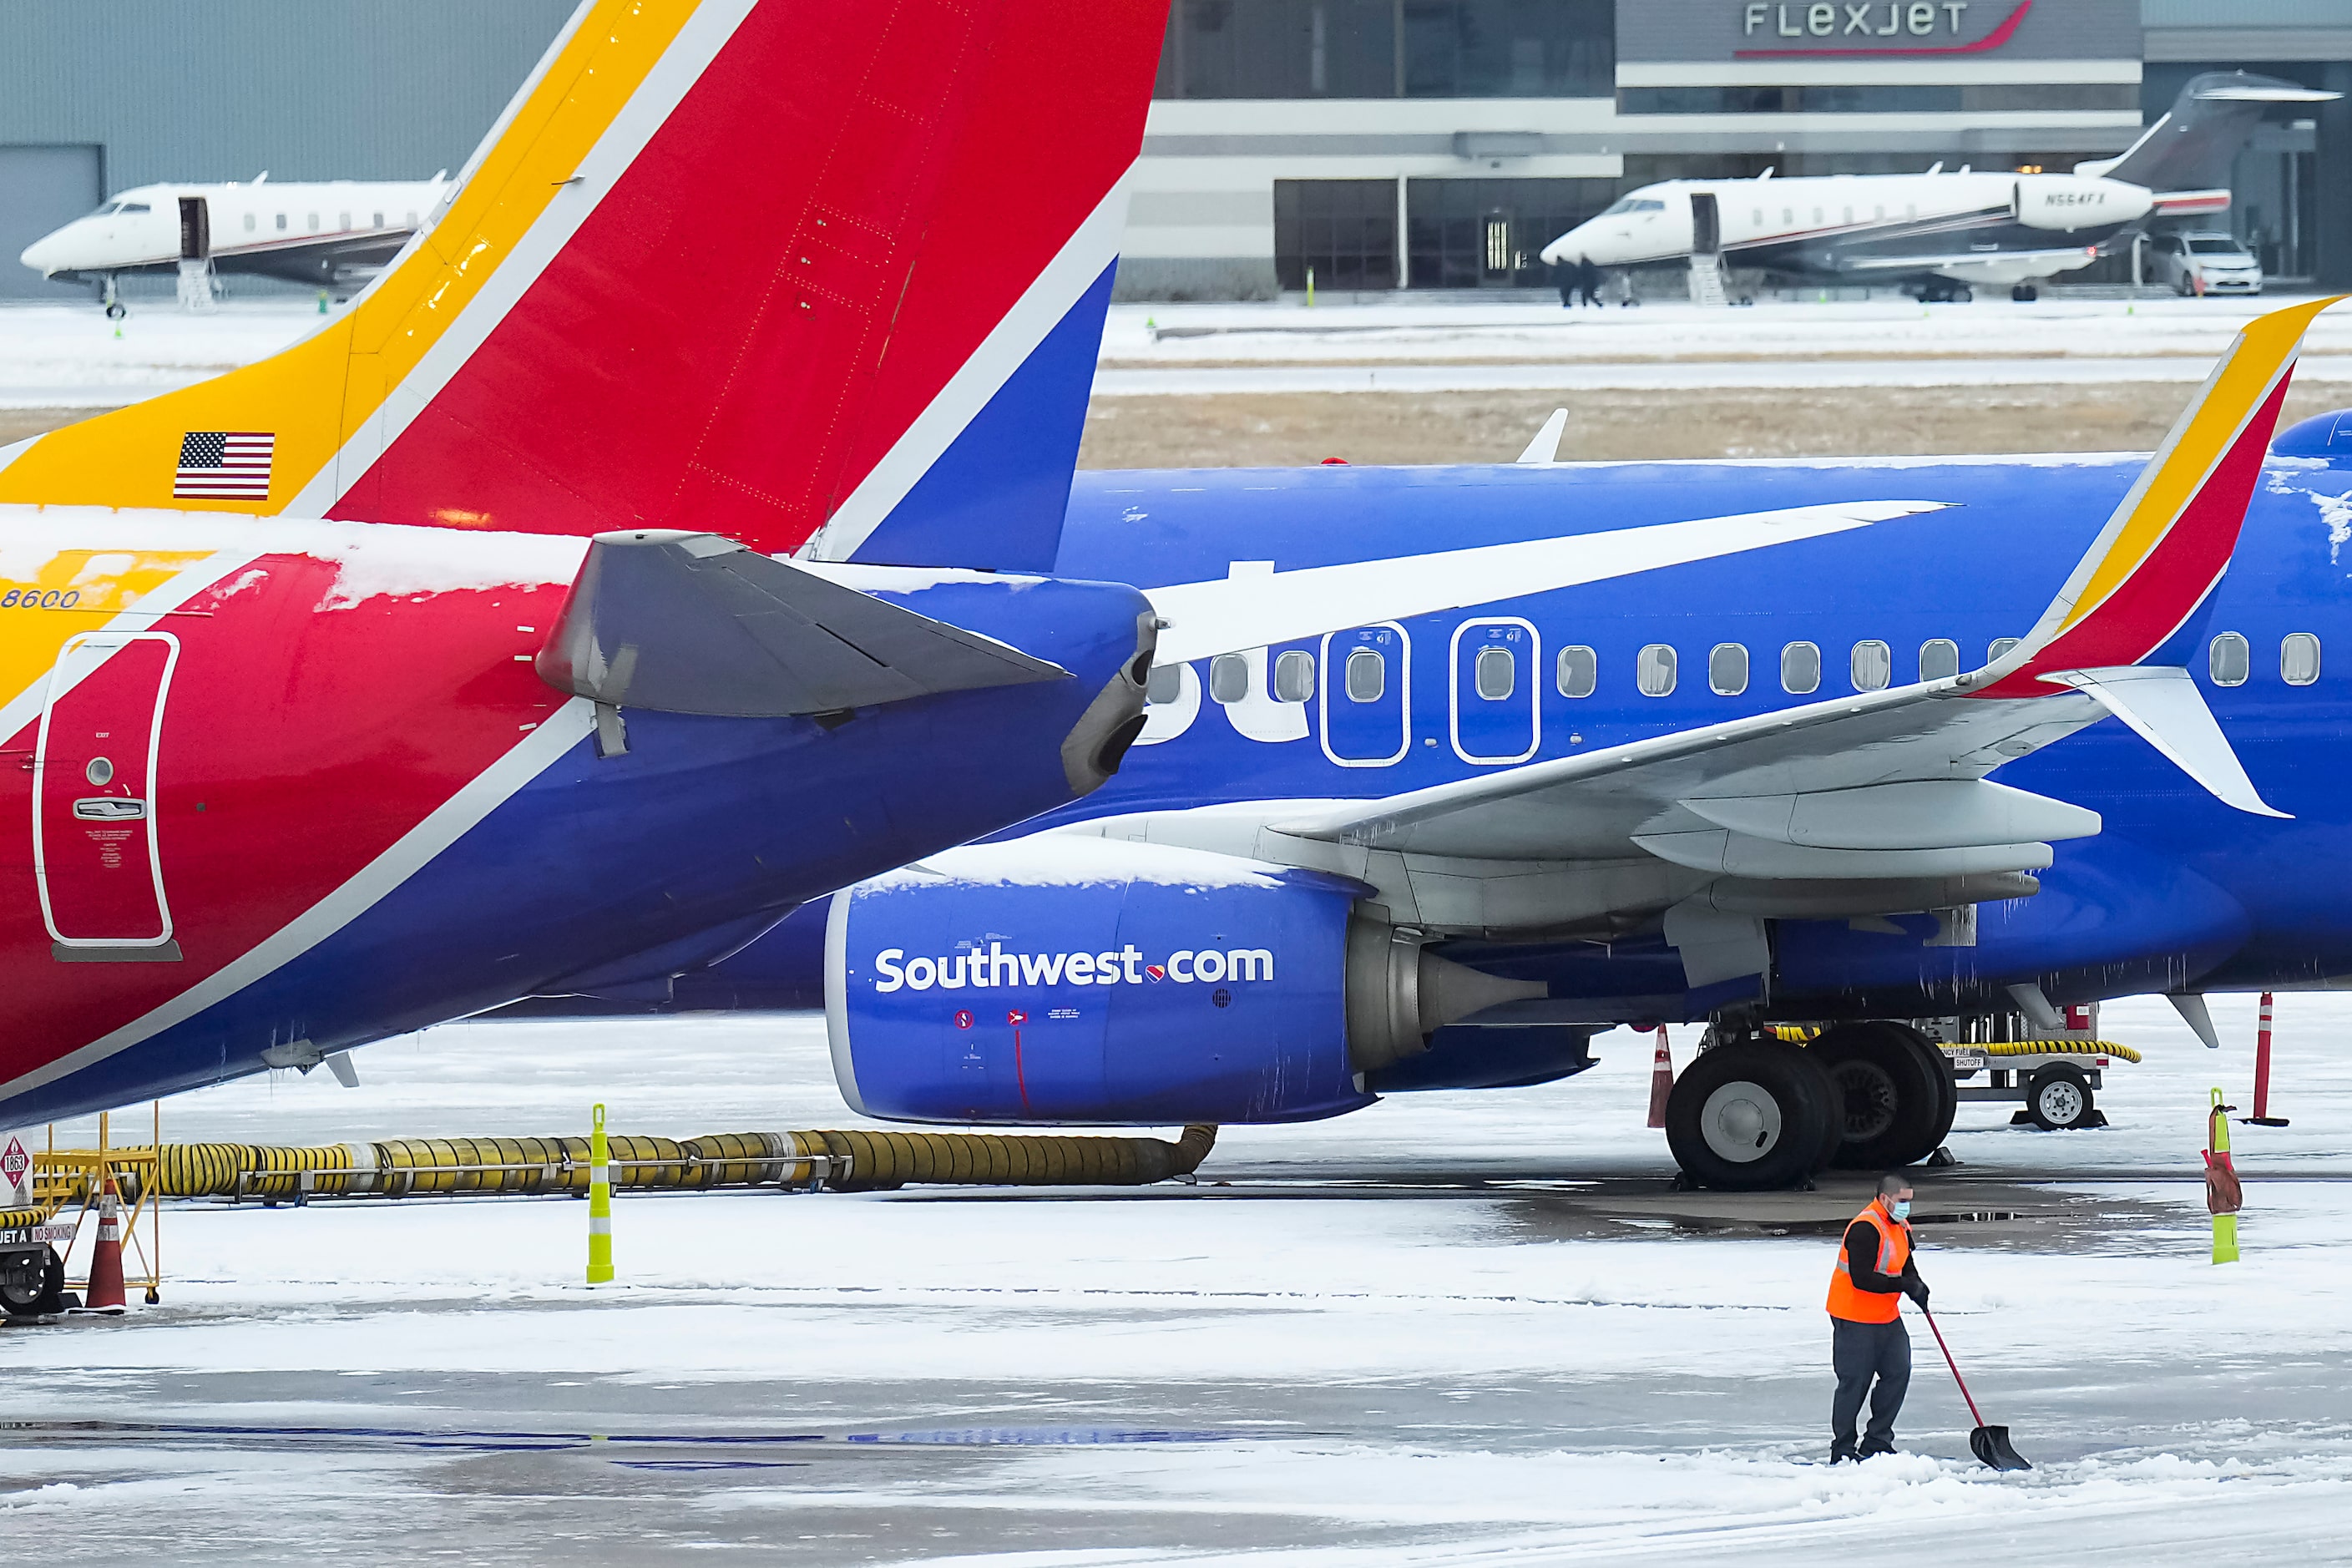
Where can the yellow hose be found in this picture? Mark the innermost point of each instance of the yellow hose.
(2055, 1049)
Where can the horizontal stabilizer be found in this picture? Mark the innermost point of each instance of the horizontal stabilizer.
(2162, 705)
(2193, 146)
(691, 622)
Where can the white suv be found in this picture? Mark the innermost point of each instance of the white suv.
(2205, 263)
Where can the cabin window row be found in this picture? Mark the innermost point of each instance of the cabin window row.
(2230, 658)
(342, 221)
(1870, 666)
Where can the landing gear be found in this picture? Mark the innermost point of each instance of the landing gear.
(1895, 1094)
(1944, 292)
(2058, 1099)
(1749, 1116)
(2024, 293)
(114, 307)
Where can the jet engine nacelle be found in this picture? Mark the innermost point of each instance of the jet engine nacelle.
(2065, 202)
(1070, 980)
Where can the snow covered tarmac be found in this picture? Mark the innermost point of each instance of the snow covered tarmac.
(1452, 1328)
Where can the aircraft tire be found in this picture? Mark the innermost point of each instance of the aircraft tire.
(115, 311)
(1747, 1118)
(1895, 1104)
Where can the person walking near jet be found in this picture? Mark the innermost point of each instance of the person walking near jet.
(1588, 281)
(1868, 1341)
(1568, 274)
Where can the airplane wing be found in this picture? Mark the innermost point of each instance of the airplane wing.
(1846, 803)
(2050, 258)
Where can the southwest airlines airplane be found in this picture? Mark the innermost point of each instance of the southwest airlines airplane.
(330, 234)
(456, 654)
(1517, 753)
(1940, 232)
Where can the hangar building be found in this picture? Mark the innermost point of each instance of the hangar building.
(1385, 143)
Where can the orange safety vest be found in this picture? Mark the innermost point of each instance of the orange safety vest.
(1860, 1306)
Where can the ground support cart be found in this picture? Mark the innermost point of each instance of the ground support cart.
(2055, 1081)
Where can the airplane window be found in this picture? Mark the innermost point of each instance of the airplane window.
(342, 220)
(379, 220)
(1817, 214)
(2000, 645)
(1757, 218)
(1228, 678)
(1653, 672)
(1877, 213)
(1870, 665)
(1578, 671)
(1911, 209)
(1939, 658)
(1727, 669)
(2228, 660)
(134, 208)
(110, 208)
(1496, 673)
(1636, 205)
(1367, 676)
(1294, 676)
(1165, 684)
(248, 223)
(2299, 658)
(1788, 214)
(281, 223)
(411, 220)
(1801, 668)
(314, 223)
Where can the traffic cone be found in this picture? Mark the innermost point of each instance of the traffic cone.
(105, 1292)
(1662, 1080)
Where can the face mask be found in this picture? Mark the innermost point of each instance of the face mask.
(1900, 1208)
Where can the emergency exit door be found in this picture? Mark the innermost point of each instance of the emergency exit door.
(1494, 691)
(96, 856)
(1367, 696)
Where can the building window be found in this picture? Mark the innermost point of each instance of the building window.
(1229, 678)
(1939, 658)
(1294, 676)
(1578, 671)
(2299, 658)
(1488, 234)
(1870, 665)
(1801, 669)
(1354, 48)
(1345, 230)
(2229, 661)
(1727, 669)
(1497, 673)
(1889, 98)
(1367, 676)
(1653, 672)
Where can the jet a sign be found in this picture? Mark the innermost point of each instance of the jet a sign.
(1877, 19)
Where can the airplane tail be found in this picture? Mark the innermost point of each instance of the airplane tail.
(2190, 149)
(776, 269)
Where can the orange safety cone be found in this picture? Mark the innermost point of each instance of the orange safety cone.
(1662, 1080)
(105, 1293)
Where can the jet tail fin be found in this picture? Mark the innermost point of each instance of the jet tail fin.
(2193, 146)
(741, 265)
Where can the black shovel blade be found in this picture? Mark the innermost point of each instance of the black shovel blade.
(1991, 1445)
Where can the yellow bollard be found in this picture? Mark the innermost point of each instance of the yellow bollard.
(2223, 1196)
(600, 1202)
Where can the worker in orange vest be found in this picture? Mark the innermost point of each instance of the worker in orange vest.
(1875, 1272)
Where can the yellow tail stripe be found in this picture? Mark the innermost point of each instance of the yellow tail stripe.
(309, 395)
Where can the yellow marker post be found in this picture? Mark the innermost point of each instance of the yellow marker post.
(2223, 1196)
(600, 1202)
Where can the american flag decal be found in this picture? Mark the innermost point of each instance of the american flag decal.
(225, 465)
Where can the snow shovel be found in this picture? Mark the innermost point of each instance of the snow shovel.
(1989, 1444)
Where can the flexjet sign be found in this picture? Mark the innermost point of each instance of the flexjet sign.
(1123, 966)
(1878, 19)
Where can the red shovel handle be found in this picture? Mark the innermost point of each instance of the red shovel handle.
(1953, 1364)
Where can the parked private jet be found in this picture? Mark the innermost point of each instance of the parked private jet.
(1942, 232)
(333, 235)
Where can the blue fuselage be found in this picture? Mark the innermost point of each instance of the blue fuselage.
(2177, 888)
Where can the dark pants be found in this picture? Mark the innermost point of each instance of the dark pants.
(1860, 1352)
